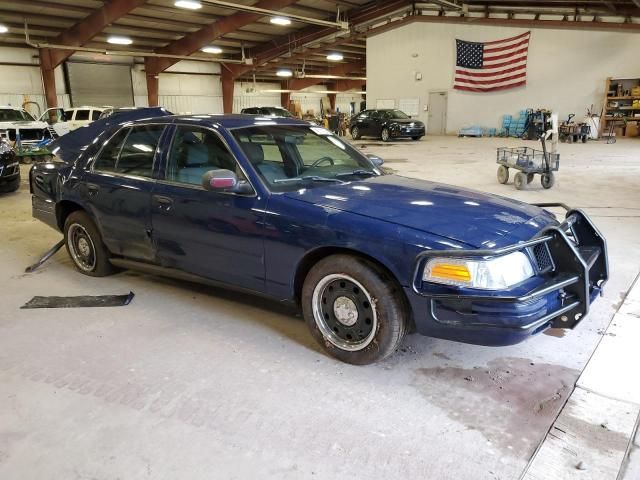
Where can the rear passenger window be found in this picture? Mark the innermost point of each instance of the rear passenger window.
(106, 161)
(138, 151)
(82, 115)
(131, 151)
(95, 114)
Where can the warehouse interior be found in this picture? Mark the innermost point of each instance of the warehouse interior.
(182, 378)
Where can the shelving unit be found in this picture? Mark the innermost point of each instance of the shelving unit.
(619, 104)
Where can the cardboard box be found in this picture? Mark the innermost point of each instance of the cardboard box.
(631, 130)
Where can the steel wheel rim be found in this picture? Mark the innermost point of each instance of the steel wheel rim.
(81, 247)
(354, 132)
(333, 301)
(385, 134)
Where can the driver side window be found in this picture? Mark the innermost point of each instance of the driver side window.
(195, 151)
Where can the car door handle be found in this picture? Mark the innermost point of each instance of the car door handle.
(163, 201)
(93, 189)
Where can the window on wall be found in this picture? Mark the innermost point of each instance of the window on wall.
(131, 151)
(195, 151)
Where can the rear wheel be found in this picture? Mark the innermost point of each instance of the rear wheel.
(547, 180)
(385, 135)
(503, 174)
(353, 309)
(520, 180)
(85, 247)
(355, 133)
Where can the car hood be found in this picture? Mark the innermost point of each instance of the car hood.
(23, 124)
(475, 218)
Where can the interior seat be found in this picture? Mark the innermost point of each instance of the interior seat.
(269, 170)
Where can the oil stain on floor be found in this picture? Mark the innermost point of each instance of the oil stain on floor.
(512, 402)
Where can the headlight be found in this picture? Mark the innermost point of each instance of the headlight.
(492, 274)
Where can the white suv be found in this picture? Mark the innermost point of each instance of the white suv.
(68, 119)
(17, 122)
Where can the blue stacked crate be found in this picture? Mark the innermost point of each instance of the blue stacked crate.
(506, 125)
(518, 127)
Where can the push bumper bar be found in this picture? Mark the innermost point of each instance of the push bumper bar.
(578, 273)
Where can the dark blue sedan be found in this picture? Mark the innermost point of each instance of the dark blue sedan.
(285, 209)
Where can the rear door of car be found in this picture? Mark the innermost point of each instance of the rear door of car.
(216, 235)
(118, 189)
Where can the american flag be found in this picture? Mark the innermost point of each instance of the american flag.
(489, 66)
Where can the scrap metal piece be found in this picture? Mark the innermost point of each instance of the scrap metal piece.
(50, 253)
(80, 301)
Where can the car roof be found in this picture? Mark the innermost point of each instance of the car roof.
(229, 121)
(11, 107)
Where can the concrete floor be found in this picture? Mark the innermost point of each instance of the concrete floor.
(192, 382)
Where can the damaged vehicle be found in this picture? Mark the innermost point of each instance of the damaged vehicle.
(9, 168)
(385, 124)
(18, 123)
(290, 211)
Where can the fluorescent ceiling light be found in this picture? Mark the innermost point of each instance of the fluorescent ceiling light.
(212, 49)
(188, 4)
(120, 40)
(282, 21)
(284, 73)
(335, 57)
(3, 29)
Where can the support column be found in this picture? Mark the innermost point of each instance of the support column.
(48, 77)
(153, 84)
(332, 101)
(285, 97)
(226, 78)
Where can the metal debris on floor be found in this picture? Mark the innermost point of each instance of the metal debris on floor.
(80, 301)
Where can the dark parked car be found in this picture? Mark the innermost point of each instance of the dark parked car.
(290, 211)
(385, 124)
(267, 111)
(9, 168)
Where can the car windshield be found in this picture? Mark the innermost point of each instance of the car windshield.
(11, 115)
(278, 112)
(290, 157)
(395, 114)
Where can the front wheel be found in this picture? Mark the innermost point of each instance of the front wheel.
(353, 309)
(520, 180)
(85, 247)
(385, 135)
(547, 180)
(503, 174)
(355, 133)
(416, 138)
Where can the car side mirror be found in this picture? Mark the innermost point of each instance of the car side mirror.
(219, 180)
(376, 160)
(223, 180)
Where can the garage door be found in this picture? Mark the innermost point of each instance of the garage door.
(99, 84)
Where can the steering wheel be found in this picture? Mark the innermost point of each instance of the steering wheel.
(321, 160)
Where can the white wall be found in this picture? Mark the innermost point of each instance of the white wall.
(566, 70)
(22, 83)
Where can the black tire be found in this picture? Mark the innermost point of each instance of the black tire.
(547, 180)
(85, 247)
(385, 135)
(355, 133)
(584, 139)
(570, 139)
(416, 138)
(373, 308)
(503, 174)
(520, 180)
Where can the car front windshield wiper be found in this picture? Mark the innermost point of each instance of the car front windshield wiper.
(307, 178)
(368, 173)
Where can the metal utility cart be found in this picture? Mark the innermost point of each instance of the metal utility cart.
(528, 162)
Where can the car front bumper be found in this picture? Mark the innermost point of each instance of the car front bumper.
(559, 296)
(408, 132)
(9, 177)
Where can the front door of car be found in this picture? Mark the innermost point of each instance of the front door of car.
(363, 122)
(216, 235)
(118, 186)
(375, 128)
